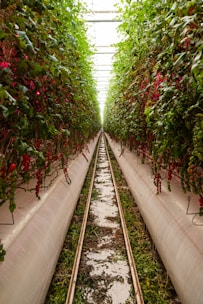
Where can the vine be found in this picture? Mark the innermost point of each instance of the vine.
(155, 101)
(48, 107)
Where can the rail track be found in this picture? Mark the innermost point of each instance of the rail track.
(104, 251)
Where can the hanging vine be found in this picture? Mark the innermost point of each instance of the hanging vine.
(157, 90)
(48, 107)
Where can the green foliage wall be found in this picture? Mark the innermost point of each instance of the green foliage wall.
(155, 101)
(48, 102)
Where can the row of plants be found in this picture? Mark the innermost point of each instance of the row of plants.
(58, 288)
(48, 101)
(155, 284)
(155, 99)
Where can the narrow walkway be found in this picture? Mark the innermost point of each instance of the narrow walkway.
(104, 262)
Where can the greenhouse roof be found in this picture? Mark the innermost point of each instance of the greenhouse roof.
(102, 23)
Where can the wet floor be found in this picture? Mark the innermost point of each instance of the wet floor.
(105, 259)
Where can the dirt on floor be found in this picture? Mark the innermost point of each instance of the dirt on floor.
(104, 275)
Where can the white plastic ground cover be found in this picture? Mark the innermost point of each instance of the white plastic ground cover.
(178, 240)
(34, 242)
(108, 265)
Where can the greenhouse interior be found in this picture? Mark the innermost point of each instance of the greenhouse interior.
(101, 152)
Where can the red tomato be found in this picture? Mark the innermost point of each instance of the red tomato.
(3, 171)
(12, 167)
(201, 201)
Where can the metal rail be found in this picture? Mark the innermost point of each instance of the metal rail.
(135, 279)
(72, 284)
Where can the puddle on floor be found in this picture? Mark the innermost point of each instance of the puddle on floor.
(104, 261)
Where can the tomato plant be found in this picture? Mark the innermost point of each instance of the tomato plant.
(48, 102)
(155, 100)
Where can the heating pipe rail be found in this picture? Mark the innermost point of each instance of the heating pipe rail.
(132, 266)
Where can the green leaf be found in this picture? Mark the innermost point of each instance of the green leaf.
(58, 116)
(52, 130)
(24, 37)
(2, 34)
(198, 56)
(37, 69)
(174, 6)
(66, 132)
(23, 88)
(12, 207)
(53, 58)
(65, 71)
(11, 99)
(6, 112)
(180, 59)
(2, 253)
(53, 39)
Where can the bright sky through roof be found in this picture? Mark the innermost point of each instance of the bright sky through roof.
(102, 34)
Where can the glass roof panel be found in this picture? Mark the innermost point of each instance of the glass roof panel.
(102, 22)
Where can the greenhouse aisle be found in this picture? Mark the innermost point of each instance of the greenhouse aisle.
(134, 70)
